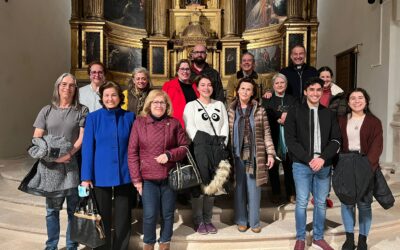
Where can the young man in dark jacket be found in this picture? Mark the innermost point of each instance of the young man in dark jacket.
(313, 139)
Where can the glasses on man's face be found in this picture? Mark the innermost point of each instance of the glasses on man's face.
(199, 52)
(157, 103)
(184, 69)
(96, 72)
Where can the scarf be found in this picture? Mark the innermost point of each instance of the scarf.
(246, 135)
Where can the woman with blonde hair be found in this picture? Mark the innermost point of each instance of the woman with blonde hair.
(149, 162)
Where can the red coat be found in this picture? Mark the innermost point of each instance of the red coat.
(371, 138)
(150, 139)
(175, 93)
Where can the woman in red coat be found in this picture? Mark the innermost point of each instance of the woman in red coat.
(361, 133)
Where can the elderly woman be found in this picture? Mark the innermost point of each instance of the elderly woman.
(206, 123)
(139, 87)
(180, 90)
(63, 117)
(253, 152)
(149, 164)
(362, 135)
(277, 107)
(105, 164)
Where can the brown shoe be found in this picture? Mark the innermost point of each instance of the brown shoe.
(256, 230)
(164, 246)
(148, 246)
(292, 199)
(242, 228)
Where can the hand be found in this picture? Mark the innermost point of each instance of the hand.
(283, 117)
(64, 159)
(87, 184)
(139, 187)
(270, 162)
(316, 164)
(162, 159)
(267, 94)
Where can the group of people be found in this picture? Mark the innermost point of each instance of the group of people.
(131, 139)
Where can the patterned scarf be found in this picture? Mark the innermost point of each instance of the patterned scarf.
(246, 153)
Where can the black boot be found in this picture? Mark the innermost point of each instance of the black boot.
(362, 242)
(349, 243)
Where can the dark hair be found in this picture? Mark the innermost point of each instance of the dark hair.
(312, 81)
(299, 45)
(199, 77)
(114, 85)
(325, 68)
(96, 63)
(178, 64)
(249, 80)
(366, 96)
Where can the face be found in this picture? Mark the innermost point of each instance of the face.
(326, 76)
(205, 88)
(111, 98)
(245, 92)
(279, 85)
(357, 102)
(140, 80)
(97, 74)
(298, 55)
(184, 72)
(67, 88)
(247, 64)
(313, 94)
(199, 54)
(158, 106)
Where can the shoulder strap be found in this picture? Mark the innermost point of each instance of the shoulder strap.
(209, 119)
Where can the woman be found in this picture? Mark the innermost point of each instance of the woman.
(277, 107)
(139, 87)
(361, 132)
(180, 90)
(63, 117)
(198, 117)
(105, 164)
(149, 164)
(333, 96)
(253, 152)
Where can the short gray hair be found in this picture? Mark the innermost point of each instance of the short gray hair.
(131, 84)
(279, 75)
(55, 100)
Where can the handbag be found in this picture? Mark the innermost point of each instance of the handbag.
(382, 192)
(184, 175)
(87, 226)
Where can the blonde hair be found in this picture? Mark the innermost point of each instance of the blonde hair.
(150, 98)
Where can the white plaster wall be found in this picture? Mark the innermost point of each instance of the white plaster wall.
(34, 51)
(344, 24)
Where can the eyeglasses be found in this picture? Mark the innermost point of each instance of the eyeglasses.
(184, 69)
(96, 72)
(156, 103)
(199, 52)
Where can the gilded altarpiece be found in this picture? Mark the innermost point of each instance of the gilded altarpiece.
(125, 34)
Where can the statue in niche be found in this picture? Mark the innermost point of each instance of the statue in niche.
(190, 2)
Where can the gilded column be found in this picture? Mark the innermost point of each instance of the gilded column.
(159, 17)
(74, 9)
(176, 4)
(95, 9)
(294, 10)
(230, 18)
(313, 17)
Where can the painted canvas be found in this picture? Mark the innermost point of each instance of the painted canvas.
(125, 12)
(124, 59)
(268, 59)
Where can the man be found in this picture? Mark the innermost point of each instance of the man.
(88, 95)
(200, 67)
(247, 66)
(298, 71)
(313, 139)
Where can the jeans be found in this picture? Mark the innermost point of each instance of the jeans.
(364, 217)
(202, 209)
(157, 197)
(247, 197)
(318, 183)
(53, 207)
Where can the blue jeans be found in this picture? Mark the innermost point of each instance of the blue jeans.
(364, 217)
(318, 183)
(53, 207)
(247, 197)
(157, 197)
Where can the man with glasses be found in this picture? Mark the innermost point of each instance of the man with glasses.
(200, 67)
(88, 95)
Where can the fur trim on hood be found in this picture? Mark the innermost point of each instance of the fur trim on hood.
(220, 177)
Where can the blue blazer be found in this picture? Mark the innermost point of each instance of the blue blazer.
(105, 147)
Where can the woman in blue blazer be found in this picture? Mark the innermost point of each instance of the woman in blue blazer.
(105, 166)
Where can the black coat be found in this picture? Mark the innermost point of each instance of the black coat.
(297, 78)
(218, 88)
(382, 192)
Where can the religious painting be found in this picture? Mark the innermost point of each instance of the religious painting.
(124, 59)
(157, 55)
(268, 59)
(125, 12)
(262, 13)
(230, 61)
(92, 47)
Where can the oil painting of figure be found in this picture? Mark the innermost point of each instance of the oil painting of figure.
(262, 13)
(125, 12)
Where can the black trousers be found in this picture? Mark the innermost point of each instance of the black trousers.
(288, 178)
(122, 215)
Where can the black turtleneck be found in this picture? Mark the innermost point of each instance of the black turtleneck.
(188, 91)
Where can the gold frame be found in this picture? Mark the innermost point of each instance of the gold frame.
(166, 61)
(84, 51)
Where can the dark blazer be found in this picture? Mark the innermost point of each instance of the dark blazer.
(299, 134)
(297, 78)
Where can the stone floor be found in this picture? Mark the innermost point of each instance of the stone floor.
(22, 220)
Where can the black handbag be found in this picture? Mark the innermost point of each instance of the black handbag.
(87, 227)
(185, 174)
